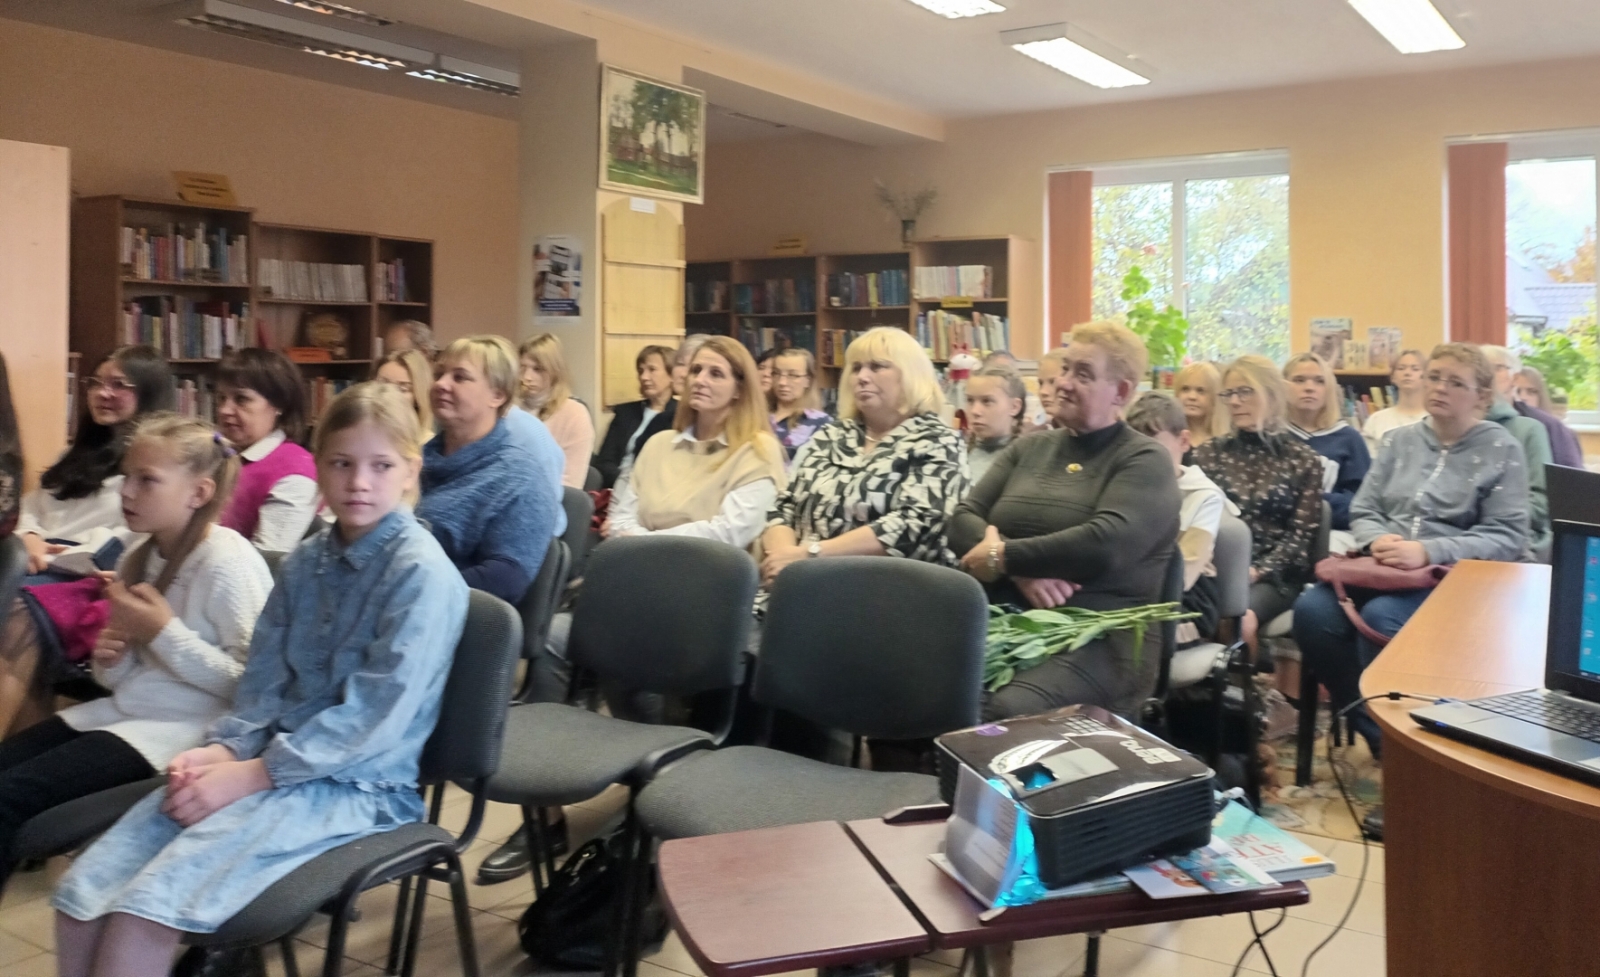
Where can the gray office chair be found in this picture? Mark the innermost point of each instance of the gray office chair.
(464, 747)
(593, 480)
(1231, 557)
(13, 567)
(1305, 739)
(537, 607)
(578, 537)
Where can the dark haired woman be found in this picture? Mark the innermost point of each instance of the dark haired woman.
(76, 508)
(261, 411)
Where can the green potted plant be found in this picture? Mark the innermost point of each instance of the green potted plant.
(1165, 332)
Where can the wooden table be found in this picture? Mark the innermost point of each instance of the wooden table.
(1490, 862)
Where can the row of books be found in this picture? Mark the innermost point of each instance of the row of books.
(1334, 341)
(874, 288)
(705, 296)
(184, 329)
(391, 279)
(758, 337)
(186, 252)
(944, 281)
(310, 281)
(1361, 403)
(776, 295)
(197, 396)
(834, 343)
(940, 332)
(322, 390)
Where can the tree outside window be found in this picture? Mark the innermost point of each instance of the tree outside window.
(1550, 273)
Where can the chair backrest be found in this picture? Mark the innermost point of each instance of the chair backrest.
(1319, 546)
(667, 614)
(889, 648)
(465, 744)
(538, 605)
(1171, 593)
(1232, 559)
(580, 512)
(13, 566)
(593, 480)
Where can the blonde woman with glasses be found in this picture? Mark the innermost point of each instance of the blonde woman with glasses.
(547, 395)
(797, 413)
(411, 373)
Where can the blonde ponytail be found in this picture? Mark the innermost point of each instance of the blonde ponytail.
(199, 448)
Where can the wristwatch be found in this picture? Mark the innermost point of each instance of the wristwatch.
(814, 550)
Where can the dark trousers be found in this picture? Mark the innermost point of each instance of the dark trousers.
(1107, 672)
(51, 763)
(1336, 652)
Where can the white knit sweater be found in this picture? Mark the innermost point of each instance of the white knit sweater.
(164, 694)
(89, 522)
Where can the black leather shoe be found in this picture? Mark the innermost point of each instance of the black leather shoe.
(1372, 824)
(513, 858)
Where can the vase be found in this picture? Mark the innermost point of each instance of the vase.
(907, 229)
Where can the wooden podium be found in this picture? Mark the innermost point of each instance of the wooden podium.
(1491, 863)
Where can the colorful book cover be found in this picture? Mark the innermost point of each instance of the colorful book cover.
(1267, 846)
(1216, 868)
(1328, 337)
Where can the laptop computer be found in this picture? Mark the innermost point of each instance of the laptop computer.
(1557, 726)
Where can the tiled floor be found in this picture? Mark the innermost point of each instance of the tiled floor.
(1199, 948)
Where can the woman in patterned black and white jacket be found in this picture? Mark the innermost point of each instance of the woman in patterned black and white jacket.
(884, 479)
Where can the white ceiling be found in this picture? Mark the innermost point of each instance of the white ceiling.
(896, 50)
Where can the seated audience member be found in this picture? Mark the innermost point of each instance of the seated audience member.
(764, 369)
(996, 401)
(1409, 409)
(1274, 479)
(637, 421)
(343, 686)
(1000, 359)
(410, 334)
(1086, 515)
(796, 411)
(76, 508)
(10, 456)
(680, 362)
(716, 476)
(547, 394)
(490, 503)
(1197, 386)
(261, 410)
(1535, 441)
(182, 606)
(883, 479)
(1451, 487)
(411, 373)
(1314, 404)
(1564, 447)
(1042, 408)
(1157, 415)
(1531, 389)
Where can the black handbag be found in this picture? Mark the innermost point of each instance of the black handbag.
(572, 925)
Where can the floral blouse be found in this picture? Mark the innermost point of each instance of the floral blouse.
(905, 491)
(1276, 481)
(794, 432)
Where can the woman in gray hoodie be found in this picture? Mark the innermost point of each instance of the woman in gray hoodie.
(1452, 487)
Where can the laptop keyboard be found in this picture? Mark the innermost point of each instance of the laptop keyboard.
(1547, 711)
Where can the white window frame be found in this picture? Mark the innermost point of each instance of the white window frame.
(1526, 147)
(1178, 171)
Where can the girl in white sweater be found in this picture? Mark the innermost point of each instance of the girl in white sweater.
(182, 608)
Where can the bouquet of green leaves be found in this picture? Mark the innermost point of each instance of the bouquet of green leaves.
(1022, 640)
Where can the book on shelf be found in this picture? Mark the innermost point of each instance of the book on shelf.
(1383, 347)
(775, 295)
(946, 281)
(185, 251)
(391, 280)
(705, 296)
(869, 289)
(320, 392)
(308, 281)
(1355, 355)
(834, 343)
(181, 328)
(195, 397)
(759, 337)
(1328, 339)
(940, 331)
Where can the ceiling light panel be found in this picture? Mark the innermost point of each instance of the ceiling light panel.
(1072, 52)
(339, 10)
(1412, 26)
(956, 9)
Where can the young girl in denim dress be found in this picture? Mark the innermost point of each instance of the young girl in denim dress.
(342, 688)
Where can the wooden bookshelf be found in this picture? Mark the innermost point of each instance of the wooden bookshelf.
(272, 304)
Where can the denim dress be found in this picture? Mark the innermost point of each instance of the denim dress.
(342, 689)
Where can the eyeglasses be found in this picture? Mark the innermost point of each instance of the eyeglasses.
(1243, 393)
(791, 376)
(1449, 383)
(402, 385)
(93, 384)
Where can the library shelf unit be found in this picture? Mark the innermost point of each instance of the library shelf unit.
(844, 303)
(273, 279)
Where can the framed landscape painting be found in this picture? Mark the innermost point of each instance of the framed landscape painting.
(652, 137)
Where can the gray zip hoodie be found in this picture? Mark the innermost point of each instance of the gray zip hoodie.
(1465, 502)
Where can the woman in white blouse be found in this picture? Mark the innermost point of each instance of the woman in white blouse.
(77, 508)
(1407, 379)
(718, 473)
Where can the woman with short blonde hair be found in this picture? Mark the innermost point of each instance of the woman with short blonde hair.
(1196, 387)
(411, 373)
(918, 387)
(1315, 417)
(547, 394)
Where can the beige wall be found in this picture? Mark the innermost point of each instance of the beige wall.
(299, 151)
(1366, 177)
(35, 215)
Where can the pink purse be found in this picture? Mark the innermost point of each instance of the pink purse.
(1367, 573)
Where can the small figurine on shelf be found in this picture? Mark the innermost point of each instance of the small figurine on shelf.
(328, 331)
(962, 365)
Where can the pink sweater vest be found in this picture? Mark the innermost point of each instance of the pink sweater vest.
(256, 479)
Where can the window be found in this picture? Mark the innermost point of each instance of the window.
(1550, 264)
(1212, 237)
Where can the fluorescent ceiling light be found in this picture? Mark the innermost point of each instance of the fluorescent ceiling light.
(1052, 45)
(339, 10)
(955, 9)
(1412, 26)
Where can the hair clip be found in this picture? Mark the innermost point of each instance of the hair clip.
(227, 449)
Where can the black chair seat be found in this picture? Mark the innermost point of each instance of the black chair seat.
(558, 754)
(67, 826)
(746, 787)
(290, 902)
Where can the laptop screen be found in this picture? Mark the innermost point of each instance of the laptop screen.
(1588, 643)
(1572, 659)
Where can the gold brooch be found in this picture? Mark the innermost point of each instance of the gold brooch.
(1074, 468)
